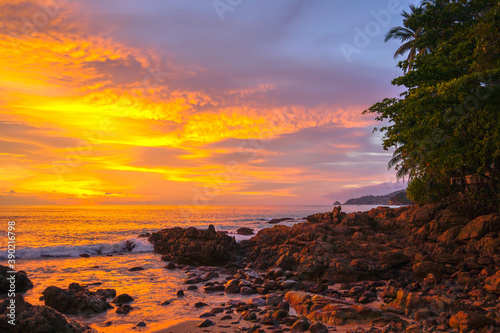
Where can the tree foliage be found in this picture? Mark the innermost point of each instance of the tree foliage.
(447, 121)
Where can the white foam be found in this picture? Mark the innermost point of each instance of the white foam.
(141, 245)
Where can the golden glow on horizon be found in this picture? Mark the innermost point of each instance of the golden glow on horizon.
(85, 121)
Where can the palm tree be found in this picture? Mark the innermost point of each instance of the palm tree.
(395, 162)
(409, 35)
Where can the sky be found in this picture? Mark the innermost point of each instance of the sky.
(194, 102)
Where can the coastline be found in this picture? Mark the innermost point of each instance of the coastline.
(407, 269)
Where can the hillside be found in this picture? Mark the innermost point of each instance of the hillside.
(394, 198)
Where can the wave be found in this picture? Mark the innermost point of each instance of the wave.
(126, 245)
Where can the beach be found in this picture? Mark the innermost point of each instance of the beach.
(408, 269)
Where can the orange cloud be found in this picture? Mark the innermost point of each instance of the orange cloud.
(88, 102)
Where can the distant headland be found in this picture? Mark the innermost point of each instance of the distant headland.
(394, 198)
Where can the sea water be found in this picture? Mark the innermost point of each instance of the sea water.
(50, 240)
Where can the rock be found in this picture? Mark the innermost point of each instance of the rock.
(195, 247)
(210, 276)
(423, 314)
(268, 321)
(200, 305)
(244, 231)
(193, 280)
(394, 258)
(124, 309)
(37, 319)
(269, 284)
(246, 291)
(258, 302)
(289, 284)
(442, 304)
(128, 246)
(166, 303)
(479, 227)
(72, 301)
(321, 218)
(171, 266)
(318, 328)
(422, 269)
(279, 314)
(75, 286)
(122, 299)
(231, 287)
(419, 214)
(214, 288)
(141, 324)
(275, 221)
(226, 317)
(107, 293)
(336, 211)
(467, 321)
(334, 311)
(255, 329)
(449, 235)
(301, 325)
(413, 329)
(22, 283)
(492, 283)
(206, 323)
(136, 269)
(249, 315)
(180, 293)
(84, 255)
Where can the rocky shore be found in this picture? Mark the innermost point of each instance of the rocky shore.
(412, 269)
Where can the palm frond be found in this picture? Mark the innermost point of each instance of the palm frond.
(408, 46)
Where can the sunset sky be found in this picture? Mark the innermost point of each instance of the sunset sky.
(193, 102)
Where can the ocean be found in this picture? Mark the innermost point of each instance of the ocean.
(50, 239)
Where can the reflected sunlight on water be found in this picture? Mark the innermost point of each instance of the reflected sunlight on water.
(49, 240)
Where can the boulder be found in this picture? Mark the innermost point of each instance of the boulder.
(479, 227)
(206, 323)
(195, 247)
(301, 325)
(275, 221)
(318, 328)
(22, 282)
(321, 218)
(449, 235)
(419, 214)
(232, 286)
(136, 269)
(244, 231)
(442, 304)
(422, 269)
(73, 301)
(466, 321)
(492, 283)
(38, 319)
(122, 299)
(336, 212)
(107, 293)
(334, 311)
